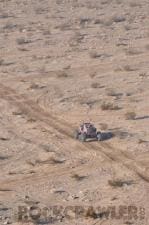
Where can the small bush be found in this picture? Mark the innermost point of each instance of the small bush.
(19, 113)
(78, 177)
(119, 183)
(133, 51)
(4, 139)
(9, 26)
(119, 1)
(4, 15)
(127, 27)
(147, 47)
(109, 106)
(95, 85)
(130, 115)
(34, 86)
(4, 189)
(97, 21)
(4, 157)
(134, 4)
(2, 62)
(63, 27)
(107, 22)
(62, 74)
(140, 141)
(21, 41)
(57, 160)
(104, 2)
(92, 74)
(111, 92)
(118, 19)
(128, 68)
(94, 54)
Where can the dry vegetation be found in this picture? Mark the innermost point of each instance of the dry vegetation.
(61, 63)
(130, 115)
(109, 106)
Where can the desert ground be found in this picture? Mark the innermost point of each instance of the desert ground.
(64, 62)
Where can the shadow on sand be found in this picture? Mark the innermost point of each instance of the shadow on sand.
(104, 136)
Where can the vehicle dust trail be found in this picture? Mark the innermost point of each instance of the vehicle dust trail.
(33, 110)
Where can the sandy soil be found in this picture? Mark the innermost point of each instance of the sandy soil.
(63, 62)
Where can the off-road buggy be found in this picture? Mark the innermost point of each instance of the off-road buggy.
(87, 130)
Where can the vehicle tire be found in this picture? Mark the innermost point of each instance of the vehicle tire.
(82, 137)
(76, 134)
(99, 136)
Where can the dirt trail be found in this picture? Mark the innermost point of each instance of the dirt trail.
(31, 109)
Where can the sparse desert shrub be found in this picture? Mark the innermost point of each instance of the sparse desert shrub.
(127, 27)
(31, 162)
(94, 54)
(9, 26)
(59, 2)
(17, 113)
(143, 74)
(104, 2)
(92, 74)
(62, 74)
(5, 189)
(118, 68)
(1, 62)
(4, 15)
(119, 183)
(109, 106)
(97, 21)
(57, 160)
(140, 141)
(83, 21)
(119, 1)
(31, 120)
(77, 38)
(128, 68)
(34, 86)
(63, 26)
(104, 21)
(21, 41)
(47, 148)
(95, 85)
(78, 177)
(147, 47)
(107, 22)
(118, 19)
(51, 160)
(111, 92)
(130, 115)
(133, 51)
(40, 10)
(4, 157)
(23, 49)
(47, 32)
(134, 4)
(4, 139)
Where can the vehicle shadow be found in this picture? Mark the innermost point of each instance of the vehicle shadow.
(104, 136)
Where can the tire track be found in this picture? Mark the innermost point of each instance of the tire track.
(30, 108)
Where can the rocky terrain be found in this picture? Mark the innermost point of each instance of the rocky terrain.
(63, 62)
